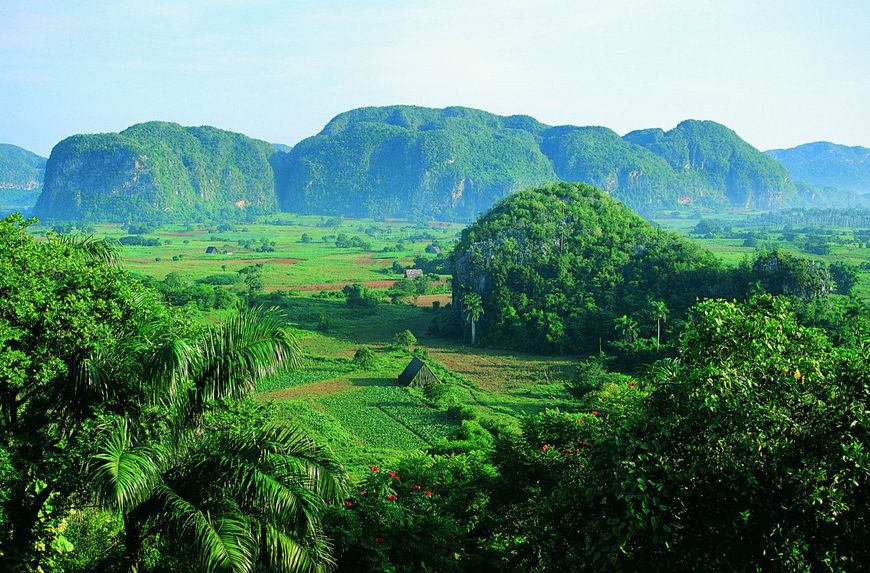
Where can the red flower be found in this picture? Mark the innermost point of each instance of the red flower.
(632, 384)
(594, 412)
(545, 447)
(392, 497)
(363, 492)
(427, 493)
(392, 474)
(379, 539)
(348, 503)
(416, 488)
(581, 420)
(374, 468)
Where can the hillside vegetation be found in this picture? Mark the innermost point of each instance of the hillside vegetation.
(158, 171)
(566, 268)
(21, 174)
(827, 164)
(556, 265)
(404, 161)
(456, 162)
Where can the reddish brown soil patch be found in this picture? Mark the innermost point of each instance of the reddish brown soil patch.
(319, 389)
(426, 300)
(312, 287)
(250, 261)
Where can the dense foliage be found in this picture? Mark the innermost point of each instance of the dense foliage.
(158, 171)
(748, 452)
(126, 419)
(454, 163)
(558, 265)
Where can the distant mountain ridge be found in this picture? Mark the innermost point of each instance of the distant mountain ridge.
(21, 176)
(828, 164)
(407, 161)
(158, 171)
(456, 162)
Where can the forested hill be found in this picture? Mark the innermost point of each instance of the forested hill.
(406, 161)
(454, 163)
(158, 171)
(828, 165)
(555, 266)
(21, 174)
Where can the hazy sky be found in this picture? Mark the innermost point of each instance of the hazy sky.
(779, 72)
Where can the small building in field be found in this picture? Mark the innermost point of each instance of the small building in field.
(413, 273)
(417, 375)
(211, 250)
(433, 250)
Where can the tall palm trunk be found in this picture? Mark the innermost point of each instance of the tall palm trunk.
(472, 332)
(658, 333)
(132, 544)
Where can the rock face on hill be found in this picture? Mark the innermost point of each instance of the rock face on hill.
(158, 171)
(21, 174)
(825, 164)
(456, 162)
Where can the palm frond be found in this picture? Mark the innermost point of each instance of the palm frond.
(235, 354)
(292, 450)
(91, 379)
(287, 555)
(290, 455)
(125, 475)
(224, 540)
(167, 368)
(95, 249)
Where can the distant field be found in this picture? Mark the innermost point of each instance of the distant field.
(843, 243)
(293, 264)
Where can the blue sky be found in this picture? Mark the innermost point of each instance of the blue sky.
(780, 73)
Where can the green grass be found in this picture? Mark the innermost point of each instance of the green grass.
(314, 263)
(844, 243)
(364, 415)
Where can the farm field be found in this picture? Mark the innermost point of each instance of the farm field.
(364, 414)
(844, 244)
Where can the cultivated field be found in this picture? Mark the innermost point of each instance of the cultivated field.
(365, 414)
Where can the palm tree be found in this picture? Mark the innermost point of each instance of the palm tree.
(660, 313)
(94, 249)
(232, 497)
(473, 306)
(627, 327)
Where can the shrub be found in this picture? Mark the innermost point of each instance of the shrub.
(404, 340)
(364, 358)
(359, 296)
